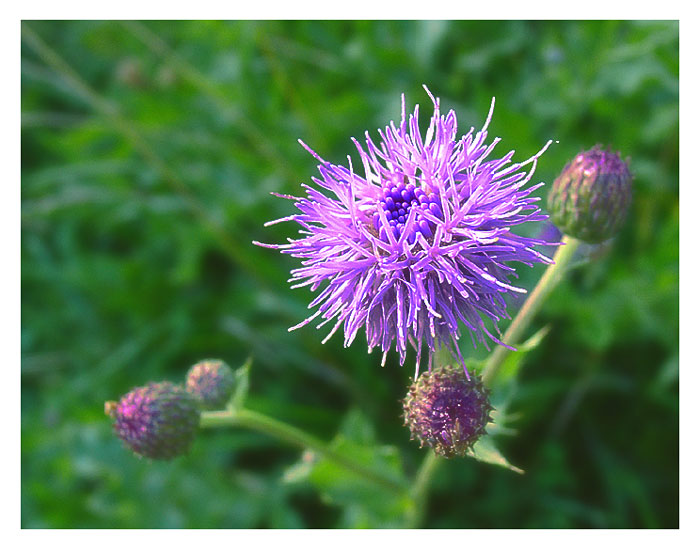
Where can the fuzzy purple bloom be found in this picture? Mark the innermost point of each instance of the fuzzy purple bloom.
(158, 421)
(418, 244)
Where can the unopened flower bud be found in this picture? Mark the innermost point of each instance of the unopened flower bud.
(157, 421)
(447, 411)
(590, 198)
(211, 383)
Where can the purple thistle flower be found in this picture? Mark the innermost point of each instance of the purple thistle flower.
(158, 421)
(418, 244)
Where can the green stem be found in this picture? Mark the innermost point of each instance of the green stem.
(287, 433)
(551, 277)
(419, 493)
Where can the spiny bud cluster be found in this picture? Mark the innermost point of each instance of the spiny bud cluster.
(158, 421)
(590, 198)
(211, 383)
(447, 411)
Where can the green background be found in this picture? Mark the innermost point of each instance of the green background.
(148, 154)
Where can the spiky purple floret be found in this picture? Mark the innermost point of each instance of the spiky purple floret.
(159, 420)
(447, 411)
(419, 243)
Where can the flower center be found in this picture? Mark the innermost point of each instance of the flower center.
(397, 202)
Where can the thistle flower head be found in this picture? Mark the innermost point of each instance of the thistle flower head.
(211, 383)
(157, 421)
(447, 411)
(590, 198)
(420, 242)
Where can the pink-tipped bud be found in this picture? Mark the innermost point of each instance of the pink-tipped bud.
(590, 198)
(158, 421)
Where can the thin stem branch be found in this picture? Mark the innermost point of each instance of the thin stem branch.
(421, 483)
(551, 277)
(294, 436)
(419, 492)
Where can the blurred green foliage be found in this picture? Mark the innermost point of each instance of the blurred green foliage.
(148, 154)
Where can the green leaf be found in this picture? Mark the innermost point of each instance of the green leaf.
(300, 471)
(504, 387)
(485, 450)
(379, 506)
(240, 392)
(511, 365)
(365, 502)
(505, 384)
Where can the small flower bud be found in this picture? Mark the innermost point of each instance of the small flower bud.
(590, 198)
(447, 411)
(157, 421)
(211, 383)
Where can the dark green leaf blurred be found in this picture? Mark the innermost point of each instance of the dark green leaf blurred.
(148, 154)
(365, 503)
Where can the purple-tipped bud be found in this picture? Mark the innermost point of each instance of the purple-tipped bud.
(447, 411)
(158, 421)
(211, 383)
(590, 198)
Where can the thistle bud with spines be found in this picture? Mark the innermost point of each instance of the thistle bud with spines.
(211, 382)
(159, 420)
(447, 411)
(590, 198)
